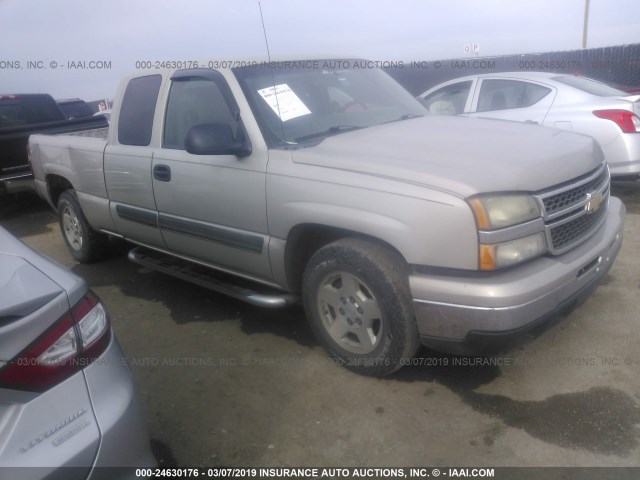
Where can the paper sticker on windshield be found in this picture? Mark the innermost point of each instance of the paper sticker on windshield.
(284, 102)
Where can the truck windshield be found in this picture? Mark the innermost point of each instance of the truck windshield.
(296, 105)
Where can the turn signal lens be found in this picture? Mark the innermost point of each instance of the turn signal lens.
(512, 252)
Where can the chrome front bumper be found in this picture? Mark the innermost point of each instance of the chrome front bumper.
(453, 310)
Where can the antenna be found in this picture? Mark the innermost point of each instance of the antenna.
(264, 31)
(273, 80)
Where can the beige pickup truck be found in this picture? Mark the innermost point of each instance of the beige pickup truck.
(325, 182)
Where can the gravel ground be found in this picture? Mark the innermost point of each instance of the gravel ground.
(224, 383)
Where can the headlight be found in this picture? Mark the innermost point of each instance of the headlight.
(505, 226)
(500, 255)
(499, 211)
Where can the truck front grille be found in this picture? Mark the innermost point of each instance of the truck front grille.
(566, 234)
(573, 212)
(574, 195)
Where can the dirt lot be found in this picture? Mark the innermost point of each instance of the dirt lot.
(224, 383)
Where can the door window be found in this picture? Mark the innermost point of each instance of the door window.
(194, 101)
(507, 94)
(449, 100)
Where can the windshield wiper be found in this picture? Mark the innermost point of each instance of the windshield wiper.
(405, 117)
(330, 131)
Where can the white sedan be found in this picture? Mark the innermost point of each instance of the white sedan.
(563, 101)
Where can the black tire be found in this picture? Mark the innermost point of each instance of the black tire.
(357, 299)
(85, 244)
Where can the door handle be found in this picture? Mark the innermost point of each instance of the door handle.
(162, 173)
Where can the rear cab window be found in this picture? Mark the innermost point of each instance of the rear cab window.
(135, 123)
(76, 109)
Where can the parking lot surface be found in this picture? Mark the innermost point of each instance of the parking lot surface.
(224, 383)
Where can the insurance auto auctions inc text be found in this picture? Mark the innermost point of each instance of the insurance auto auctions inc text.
(373, 473)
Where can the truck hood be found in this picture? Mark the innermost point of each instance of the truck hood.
(460, 155)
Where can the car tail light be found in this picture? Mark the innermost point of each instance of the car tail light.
(69, 345)
(626, 120)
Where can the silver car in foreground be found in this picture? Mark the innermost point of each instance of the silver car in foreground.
(569, 102)
(67, 400)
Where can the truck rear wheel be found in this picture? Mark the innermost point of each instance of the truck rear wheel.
(357, 299)
(85, 244)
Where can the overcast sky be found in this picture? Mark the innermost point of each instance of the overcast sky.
(52, 33)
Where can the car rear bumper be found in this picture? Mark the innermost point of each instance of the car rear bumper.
(625, 170)
(623, 156)
(124, 441)
(483, 314)
(88, 421)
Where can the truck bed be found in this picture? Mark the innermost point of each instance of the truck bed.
(77, 157)
(14, 165)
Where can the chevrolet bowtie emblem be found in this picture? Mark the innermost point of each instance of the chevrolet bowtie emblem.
(593, 202)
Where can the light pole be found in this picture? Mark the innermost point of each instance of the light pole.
(586, 24)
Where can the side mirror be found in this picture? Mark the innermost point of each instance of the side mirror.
(215, 139)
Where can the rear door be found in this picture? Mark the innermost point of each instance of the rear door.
(210, 207)
(511, 99)
(127, 163)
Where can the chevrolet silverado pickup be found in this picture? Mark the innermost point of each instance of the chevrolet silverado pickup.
(327, 183)
(20, 116)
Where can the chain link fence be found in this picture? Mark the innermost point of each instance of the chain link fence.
(618, 66)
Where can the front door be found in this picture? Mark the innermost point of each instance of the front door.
(210, 207)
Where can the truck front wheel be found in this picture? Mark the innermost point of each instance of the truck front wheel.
(357, 299)
(85, 244)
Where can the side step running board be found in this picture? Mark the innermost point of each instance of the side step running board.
(210, 279)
